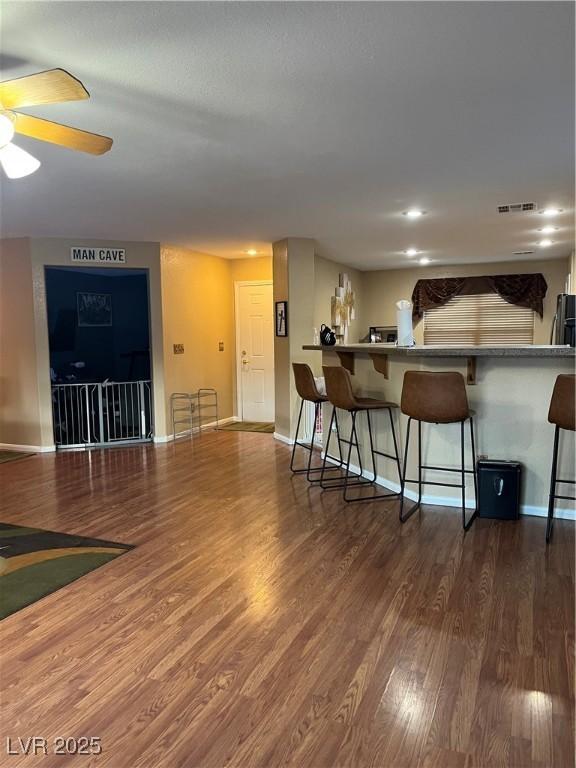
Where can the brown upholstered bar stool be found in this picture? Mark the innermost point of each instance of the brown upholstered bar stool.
(308, 391)
(341, 396)
(562, 415)
(437, 398)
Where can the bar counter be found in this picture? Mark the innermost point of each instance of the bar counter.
(509, 390)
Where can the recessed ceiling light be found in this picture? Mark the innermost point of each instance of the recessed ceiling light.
(413, 213)
(252, 252)
(548, 230)
(551, 211)
(545, 243)
(412, 252)
(424, 260)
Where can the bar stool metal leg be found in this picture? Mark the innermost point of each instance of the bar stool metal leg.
(466, 525)
(352, 442)
(340, 462)
(550, 523)
(404, 517)
(462, 471)
(336, 483)
(396, 451)
(298, 471)
(327, 447)
(374, 453)
(474, 468)
(308, 469)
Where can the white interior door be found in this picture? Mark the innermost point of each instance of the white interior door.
(255, 352)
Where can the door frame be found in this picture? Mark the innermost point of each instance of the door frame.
(237, 285)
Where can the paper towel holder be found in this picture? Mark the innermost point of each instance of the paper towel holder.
(405, 337)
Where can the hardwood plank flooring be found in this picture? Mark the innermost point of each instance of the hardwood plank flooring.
(259, 622)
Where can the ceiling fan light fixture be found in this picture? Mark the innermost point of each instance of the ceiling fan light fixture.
(16, 162)
(6, 130)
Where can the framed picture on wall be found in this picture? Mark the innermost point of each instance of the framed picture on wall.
(281, 318)
(94, 309)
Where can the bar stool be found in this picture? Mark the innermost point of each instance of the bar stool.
(308, 392)
(561, 414)
(341, 396)
(437, 398)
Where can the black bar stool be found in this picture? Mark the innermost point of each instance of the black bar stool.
(561, 414)
(341, 396)
(308, 391)
(437, 398)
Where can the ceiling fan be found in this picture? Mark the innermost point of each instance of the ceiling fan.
(49, 87)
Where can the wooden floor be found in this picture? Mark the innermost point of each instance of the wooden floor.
(259, 622)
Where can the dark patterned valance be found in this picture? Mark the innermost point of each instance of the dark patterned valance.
(523, 290)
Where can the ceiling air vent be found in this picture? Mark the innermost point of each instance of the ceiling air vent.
(517, 208)
(522, 253)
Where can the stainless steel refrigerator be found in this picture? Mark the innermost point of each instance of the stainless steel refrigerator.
(563, 330)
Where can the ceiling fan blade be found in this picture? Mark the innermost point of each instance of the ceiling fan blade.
(47, 87)
(56, 133)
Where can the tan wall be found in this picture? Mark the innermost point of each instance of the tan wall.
(383, 288)
(326, 280)
(282, 344)
(198, 306)
(258, 268)
(19, 404)
(294, 282)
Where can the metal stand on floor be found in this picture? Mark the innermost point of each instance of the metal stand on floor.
(188, 408)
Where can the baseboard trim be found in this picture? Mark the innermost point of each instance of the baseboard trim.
(559, 514)
(283, 438)
(446, 501)
(27, 448)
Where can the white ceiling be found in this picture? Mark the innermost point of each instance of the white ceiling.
(236, 124)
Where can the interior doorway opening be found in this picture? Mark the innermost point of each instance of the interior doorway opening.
(100, 362)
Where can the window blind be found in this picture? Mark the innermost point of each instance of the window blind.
(484, 319)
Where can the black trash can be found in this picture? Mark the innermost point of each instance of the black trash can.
(499, 489)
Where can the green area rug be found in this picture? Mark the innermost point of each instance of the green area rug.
(248, 426)
(12, 456)
(34, 563)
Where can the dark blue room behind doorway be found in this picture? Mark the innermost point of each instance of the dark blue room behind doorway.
(119, 349)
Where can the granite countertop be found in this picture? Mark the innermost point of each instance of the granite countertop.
(534, 350)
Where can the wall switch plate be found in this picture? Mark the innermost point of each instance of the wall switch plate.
(178, 349)
(220, 346)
